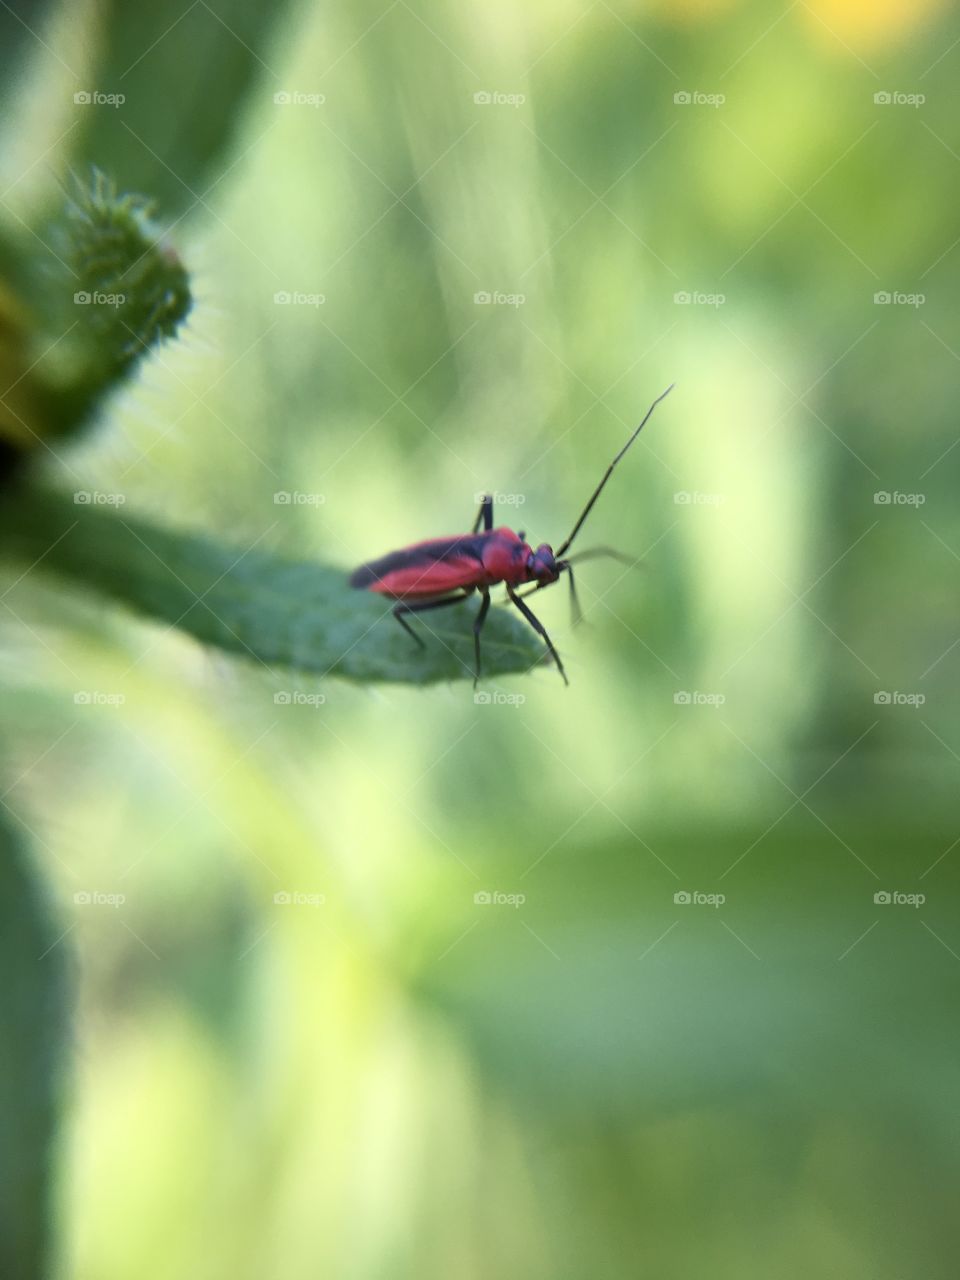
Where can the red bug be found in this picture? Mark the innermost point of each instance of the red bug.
(423, 575)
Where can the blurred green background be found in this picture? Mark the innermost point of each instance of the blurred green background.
(677, 1033)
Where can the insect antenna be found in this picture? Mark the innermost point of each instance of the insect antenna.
(609, 471)
(603, 553)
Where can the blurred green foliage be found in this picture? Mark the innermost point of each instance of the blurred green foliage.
(304, 1039)
(34, 1032)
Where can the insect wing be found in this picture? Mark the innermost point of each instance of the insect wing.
(424, 569)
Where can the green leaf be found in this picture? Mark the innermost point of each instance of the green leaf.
(33, 1032)
(250, 602)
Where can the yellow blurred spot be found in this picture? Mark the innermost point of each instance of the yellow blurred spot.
(866, 23)
(857, 24)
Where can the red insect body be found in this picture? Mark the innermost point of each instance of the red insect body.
(439, 565)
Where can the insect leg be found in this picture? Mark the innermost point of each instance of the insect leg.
(575, 610)
(401, 607)
(477, 628)
(398, 613)
(485, 514)
(540, 629)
